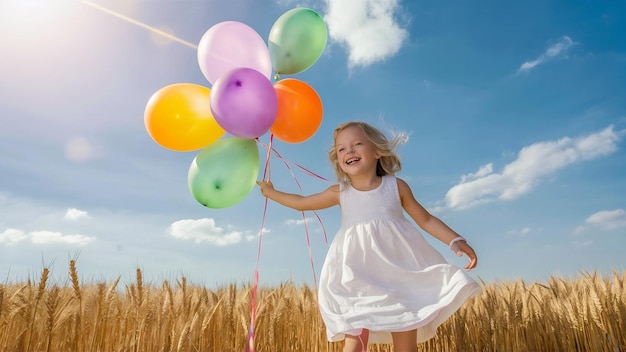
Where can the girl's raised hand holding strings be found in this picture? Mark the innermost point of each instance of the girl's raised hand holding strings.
(266, 187)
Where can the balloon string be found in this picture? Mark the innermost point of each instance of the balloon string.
(255, 287)
(266, 176)
(300, 187)
(266, 169)
(307, 171)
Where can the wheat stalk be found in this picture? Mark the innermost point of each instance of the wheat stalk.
(586, 313)
(52, 304)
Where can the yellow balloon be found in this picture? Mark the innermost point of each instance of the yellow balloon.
(179, 117)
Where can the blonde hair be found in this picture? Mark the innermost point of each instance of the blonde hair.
(389, 162)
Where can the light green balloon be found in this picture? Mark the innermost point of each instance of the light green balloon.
(296, 40)
(225, 172)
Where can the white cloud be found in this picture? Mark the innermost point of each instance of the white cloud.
(555, 50)
(203, 230)
(608, 219)
(298, 221)
(250, 237)
(13, 236)
(75, 214)
(369, 29)
(483, 171)
(47, 237)
(533, 164)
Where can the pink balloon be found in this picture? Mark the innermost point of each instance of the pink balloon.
(244, 103)
(229, 45)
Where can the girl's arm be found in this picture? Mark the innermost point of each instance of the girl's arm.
(322, 200)
(432, 224)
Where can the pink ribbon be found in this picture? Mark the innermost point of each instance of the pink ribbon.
(266, 176)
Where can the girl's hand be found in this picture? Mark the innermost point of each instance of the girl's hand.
(266, 187)
(461, 247)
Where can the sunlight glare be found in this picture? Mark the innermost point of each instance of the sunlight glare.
(30, 14)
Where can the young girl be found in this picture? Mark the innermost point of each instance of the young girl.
(381, 281)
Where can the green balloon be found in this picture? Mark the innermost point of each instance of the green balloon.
(297, 39)
(225, 172)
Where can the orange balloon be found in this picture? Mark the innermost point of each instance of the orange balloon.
(179, 117)
(299, 111)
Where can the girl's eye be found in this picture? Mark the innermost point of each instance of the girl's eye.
(340, 150)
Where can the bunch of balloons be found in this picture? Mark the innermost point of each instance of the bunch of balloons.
(243, 101)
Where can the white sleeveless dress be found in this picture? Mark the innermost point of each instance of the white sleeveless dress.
(382, 275)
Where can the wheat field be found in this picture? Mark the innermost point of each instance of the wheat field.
(586, 313)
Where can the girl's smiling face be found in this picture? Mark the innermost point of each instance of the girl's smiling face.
(355, 153)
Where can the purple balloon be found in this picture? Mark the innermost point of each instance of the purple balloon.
(244, 102)
(229, 45)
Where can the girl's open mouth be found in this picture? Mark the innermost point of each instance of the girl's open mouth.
(352, 160)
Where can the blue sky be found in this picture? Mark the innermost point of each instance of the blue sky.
(516, 113)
